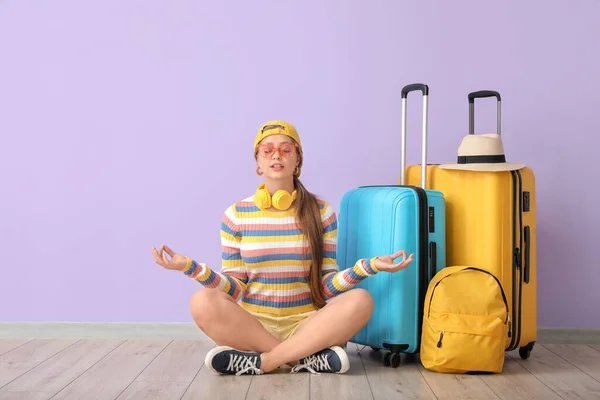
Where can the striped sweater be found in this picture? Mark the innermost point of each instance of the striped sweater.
(262, 261)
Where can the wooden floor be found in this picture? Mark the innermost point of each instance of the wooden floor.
(89, 369)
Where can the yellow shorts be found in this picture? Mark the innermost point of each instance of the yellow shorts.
(282, 327)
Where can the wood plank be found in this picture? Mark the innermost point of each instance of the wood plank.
(111, 375)
(61, 369)
(351, 385)
(180, 361)
(210, 386)
(582, 356)
(280, 385)
(559, 375)
(516, 383)
(36, 351)
(457, 386)
(18, 361)
(171, 373)
(7, 345)
(404, 382)
(25, 395)
(162, 370)
(145, 390)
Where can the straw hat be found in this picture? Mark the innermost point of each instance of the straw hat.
(482, 153)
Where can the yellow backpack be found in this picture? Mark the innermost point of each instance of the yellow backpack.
(465, 322)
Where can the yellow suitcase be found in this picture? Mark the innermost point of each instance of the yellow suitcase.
(491, 224)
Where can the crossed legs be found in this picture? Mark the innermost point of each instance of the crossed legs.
(227, 324)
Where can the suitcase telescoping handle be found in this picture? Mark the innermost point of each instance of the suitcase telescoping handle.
(405, 91)
(480, 95)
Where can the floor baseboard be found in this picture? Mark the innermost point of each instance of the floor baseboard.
(189, 331)
(101, 330)
(569, 335)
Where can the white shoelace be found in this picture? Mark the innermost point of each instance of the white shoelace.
(313, 363)
(243, 364)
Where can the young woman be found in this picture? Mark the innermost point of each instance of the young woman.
(280, 298)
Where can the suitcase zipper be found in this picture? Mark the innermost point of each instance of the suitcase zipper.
(520, 279)
(423, 254)
(515, 258)
(517, 271)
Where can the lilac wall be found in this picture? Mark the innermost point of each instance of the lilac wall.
(128, 125)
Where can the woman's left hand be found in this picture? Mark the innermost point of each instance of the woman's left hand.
(386, 263)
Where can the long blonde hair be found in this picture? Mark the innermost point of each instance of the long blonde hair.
(308, 215)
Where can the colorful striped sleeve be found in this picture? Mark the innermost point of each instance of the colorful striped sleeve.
(232, 279)
(336, 282)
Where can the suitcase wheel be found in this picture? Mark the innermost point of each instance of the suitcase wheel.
(525, 351)
(392, 359)
(375, 348)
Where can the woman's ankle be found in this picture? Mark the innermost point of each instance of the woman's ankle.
(266, 363)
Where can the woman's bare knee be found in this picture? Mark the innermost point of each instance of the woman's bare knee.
(205, 305)
(360, 302)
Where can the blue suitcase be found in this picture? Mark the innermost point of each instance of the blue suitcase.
(380, 220)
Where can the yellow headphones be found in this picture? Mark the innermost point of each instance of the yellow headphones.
(281, 200)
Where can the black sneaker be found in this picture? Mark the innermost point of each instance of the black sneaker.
(332, 359)
(226, 360)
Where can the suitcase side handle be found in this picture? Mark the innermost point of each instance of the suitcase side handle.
(480, 94)
(425, 92)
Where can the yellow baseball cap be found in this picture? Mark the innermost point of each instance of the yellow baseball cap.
(276, 127)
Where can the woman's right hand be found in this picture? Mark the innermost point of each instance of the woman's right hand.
(177, 261)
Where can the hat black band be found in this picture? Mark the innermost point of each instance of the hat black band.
(500, 158)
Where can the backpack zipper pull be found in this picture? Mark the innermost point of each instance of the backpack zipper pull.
(439, 343)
